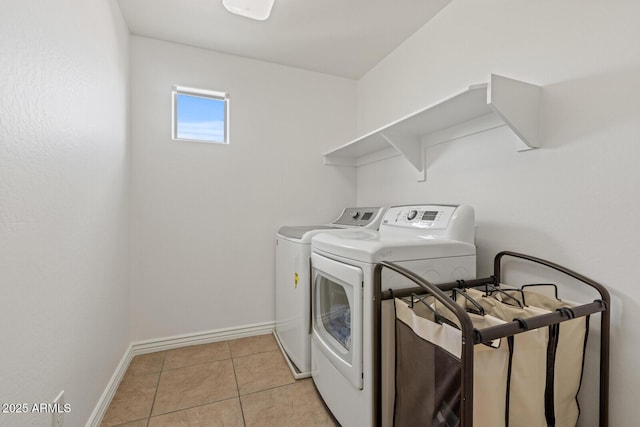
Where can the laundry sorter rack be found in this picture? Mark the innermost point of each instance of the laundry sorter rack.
(470, 336)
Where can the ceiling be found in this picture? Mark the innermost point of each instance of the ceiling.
(340, 37)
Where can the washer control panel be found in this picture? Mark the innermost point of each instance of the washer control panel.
(360, 217)
(435, 217)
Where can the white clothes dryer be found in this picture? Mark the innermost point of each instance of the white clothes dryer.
(435, 241)
(293, 282)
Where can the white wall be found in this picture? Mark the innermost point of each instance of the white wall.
(575, 200)
(205, 215)
(64, 299)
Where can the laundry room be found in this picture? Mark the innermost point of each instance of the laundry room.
(121, 241)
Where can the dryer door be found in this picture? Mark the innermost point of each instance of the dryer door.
(337, 315)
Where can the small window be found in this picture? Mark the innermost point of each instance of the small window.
(200, 115)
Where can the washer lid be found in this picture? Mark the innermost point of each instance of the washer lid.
(372, 247)
(299, 232)
(365, 218)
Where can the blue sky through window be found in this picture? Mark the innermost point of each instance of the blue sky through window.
(200, 118)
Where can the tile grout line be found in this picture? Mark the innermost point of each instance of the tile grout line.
(200, 405)
(128, 422)
(256, 352)
(276, 350)
(235, 376)
(156, 391)
(197, 364)
(212, 360)
(275, 387)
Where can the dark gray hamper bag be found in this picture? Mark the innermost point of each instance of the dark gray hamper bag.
(428, 369)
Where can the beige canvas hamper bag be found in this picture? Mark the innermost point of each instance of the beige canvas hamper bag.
(563, 387)
(525, 398)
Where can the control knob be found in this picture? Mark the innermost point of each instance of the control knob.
(412, 214)
(355, 214)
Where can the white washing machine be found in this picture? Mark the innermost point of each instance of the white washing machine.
(293, 282)
(435, 241)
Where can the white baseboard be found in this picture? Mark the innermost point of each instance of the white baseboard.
(153, 345)
(101, 408)
(160, 344)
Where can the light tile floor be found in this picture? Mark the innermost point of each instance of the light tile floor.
(242, 382)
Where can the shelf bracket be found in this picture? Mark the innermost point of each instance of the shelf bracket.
(518, 104)
(409, 146)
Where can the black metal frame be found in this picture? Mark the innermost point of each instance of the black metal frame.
(472, 336)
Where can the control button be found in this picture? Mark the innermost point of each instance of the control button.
(412, 214)
(355, 214)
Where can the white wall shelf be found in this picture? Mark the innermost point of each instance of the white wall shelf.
(502, 101)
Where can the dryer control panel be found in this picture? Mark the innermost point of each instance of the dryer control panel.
(431, 222)
(434, 217)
